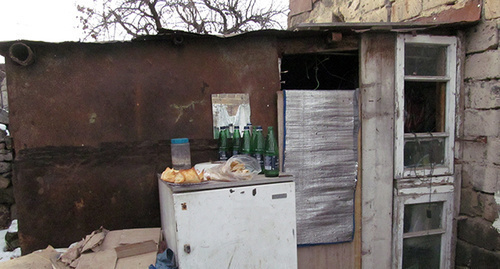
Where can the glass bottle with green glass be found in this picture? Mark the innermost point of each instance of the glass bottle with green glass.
(236, 140)
(271, 154)
(258, 146)
(246, 144)
(223, 145)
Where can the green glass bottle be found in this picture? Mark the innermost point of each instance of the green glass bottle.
(271, 155)
(246, 144)
(223, 145)
(259, 145)
(229, 138)
(236, 140)
(216, 132)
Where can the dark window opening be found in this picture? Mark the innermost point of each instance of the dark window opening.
(424, 107)
(320, 71)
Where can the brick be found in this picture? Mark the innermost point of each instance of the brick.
(7, 196)
(5, 167)
(482, 37)
(463, 255)
(478, 232)
(377, 15)
(470, 256)
(481, 123)
(483, 65)
(4, 182)
(482, 94)
(469, 203)
(491, 9)
(482, 177)
(488, 206)
(405, 9)
(482, 153)
(367, 6)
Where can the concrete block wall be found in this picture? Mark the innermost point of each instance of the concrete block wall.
(478, 228)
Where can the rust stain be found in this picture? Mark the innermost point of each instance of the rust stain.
(470, 12)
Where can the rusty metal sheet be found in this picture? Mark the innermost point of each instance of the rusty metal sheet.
(470, 12)
(63, 193)
(86, 94)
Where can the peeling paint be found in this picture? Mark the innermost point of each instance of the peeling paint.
(92, 118)
(182, 108)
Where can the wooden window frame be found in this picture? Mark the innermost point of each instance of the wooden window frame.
(450, 92)
(436, 194)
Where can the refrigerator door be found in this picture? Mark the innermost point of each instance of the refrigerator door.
(237, 227)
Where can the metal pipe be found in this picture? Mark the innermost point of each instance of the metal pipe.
(21, 54)
(388, 6)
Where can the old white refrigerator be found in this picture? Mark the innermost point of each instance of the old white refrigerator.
(246, 224)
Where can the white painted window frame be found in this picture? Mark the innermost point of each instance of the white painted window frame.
(442, 194)
(450, 78)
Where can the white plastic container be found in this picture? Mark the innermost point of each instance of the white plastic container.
(181, 153)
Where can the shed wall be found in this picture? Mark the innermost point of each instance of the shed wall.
(91, 125)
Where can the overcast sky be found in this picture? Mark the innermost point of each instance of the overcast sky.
(43, 20)
(40, 20)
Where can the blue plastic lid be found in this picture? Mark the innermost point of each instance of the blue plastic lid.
(179, 140)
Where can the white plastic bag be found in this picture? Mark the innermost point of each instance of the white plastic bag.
(238, 167)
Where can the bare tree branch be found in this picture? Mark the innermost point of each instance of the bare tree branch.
(109, 19)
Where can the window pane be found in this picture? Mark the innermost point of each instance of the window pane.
(425, 60)
(424, 107)
(423, 152)
(422, 217)
(422, 252)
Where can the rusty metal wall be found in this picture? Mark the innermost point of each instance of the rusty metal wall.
(91, 124)
(84, 94)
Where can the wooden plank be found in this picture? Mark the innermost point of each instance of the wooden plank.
(358, 207)
(281, 127)
(377, 67)
(326, 256)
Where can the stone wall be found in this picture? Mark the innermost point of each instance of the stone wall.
(7, 205)
(478, 238)
(324, 11)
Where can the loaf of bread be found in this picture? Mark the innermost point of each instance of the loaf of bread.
(182, 176)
